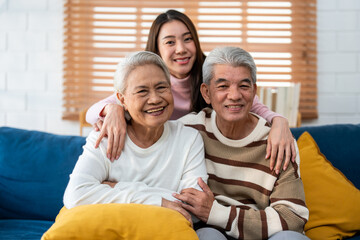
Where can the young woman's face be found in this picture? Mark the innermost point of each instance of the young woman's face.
(177, 48)
(148, 97)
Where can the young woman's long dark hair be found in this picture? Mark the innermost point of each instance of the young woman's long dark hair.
(197, 102)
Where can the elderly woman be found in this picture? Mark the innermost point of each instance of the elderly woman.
(160, 157)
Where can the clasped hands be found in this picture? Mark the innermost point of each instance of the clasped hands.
(190, 200)
(199, 203)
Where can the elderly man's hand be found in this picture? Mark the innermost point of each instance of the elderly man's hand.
(280, 144)
(197, 202)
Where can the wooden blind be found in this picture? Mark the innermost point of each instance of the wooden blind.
(281, 36)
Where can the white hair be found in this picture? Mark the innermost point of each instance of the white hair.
(233, 56)
(133, 61)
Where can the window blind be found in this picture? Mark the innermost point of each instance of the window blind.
(281, 36)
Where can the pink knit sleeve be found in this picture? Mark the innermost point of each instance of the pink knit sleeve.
(263, 111)
(93, 113)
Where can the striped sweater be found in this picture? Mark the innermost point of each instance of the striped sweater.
(251, 201)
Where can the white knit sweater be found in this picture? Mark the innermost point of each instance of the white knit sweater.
(143, 176)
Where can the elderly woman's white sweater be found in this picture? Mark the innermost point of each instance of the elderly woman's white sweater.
(143, 176)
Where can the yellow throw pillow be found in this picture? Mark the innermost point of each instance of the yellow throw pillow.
(333, 201)
(119, 221)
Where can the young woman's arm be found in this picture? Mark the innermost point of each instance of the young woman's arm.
(108, 117)
(280, 141)
(94, 113)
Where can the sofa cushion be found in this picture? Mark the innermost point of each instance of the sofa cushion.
(333, 201)
(34, 171)
(120, 221)
(340, 144)
(11, 229)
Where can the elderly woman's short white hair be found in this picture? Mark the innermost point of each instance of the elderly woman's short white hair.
(133, 61)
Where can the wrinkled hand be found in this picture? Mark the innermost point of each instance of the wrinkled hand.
(98, 125)
(114, 127)
(111, 184)
(280, 144)
(177, 207)
(197, 202)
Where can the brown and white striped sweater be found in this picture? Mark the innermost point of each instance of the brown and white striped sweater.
(251, 202)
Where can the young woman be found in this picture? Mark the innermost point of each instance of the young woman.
(174, 38)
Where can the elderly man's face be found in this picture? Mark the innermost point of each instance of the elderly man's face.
(148, 97)
(231, 92)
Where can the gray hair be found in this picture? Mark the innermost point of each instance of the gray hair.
(233, 56)
(133, 61)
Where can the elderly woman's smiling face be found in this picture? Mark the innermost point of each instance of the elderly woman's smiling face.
(147, 96)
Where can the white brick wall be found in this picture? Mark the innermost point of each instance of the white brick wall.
(12, 61)
(26, 5)
(349, 5)
(2, 119)
(2, 81)
(13, 101)
(2, 41)
(12, 21)
(338, 62)
(26, 120)
(26, 81)
(26, 41)
(31, 64)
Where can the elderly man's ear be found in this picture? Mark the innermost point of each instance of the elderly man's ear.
(205, 92)
(255, 89)
(121, 98)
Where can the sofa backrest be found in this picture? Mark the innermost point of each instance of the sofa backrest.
(340, 143)
(35, 166)
(34, 172)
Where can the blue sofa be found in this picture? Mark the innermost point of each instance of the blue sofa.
(35, 168)
(34, 171)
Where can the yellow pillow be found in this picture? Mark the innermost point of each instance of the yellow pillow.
(119, 221)
(333, 201)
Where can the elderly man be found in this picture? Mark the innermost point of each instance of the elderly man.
(243, 198)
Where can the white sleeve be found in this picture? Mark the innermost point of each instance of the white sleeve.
(195, 165)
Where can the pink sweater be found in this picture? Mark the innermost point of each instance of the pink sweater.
(181, 92)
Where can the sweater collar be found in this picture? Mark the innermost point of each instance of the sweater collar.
(260, 132)
(180, 82)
